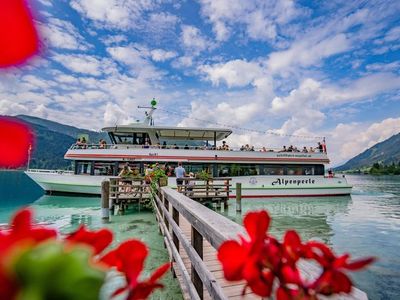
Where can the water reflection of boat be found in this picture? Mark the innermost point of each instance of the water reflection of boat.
(66, 211)
(311, 217)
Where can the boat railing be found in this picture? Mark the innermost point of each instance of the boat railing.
(50, 171)
(175, 147)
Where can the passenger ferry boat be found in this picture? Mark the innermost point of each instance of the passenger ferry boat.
(262, 174)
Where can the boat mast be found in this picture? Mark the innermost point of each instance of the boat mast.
(149, 115)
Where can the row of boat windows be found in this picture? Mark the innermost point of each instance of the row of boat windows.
(221, 170)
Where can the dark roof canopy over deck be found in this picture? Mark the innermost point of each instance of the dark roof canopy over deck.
(174, 133)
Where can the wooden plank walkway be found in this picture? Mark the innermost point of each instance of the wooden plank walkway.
(192, 233)
(233, 290)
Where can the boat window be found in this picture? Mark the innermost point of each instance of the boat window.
(104, 168)
(272, 170)
(305, 170)
(83, 167)
(136, 138)
(294, 170)
(237, 170)
(132, 165)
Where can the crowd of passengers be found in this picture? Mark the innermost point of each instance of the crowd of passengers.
(81, 143)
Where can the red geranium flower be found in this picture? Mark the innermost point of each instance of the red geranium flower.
(333, 280)
(18, 37)
(16, 139)
(98, 240)
(246, 259)
(263, 259)
(21, 236)
(129, 259)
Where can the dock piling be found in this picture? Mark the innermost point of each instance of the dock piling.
(105, 203)
(238, 197)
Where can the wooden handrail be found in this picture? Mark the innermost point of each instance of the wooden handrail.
(202, 272)
(216, 229)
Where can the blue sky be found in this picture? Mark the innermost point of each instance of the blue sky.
(293, 68)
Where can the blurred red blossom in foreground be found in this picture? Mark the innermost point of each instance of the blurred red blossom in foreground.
(16, 139)
(262, 259)
(18, 36)
(31, 256)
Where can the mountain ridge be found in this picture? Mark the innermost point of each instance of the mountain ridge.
(386, 152)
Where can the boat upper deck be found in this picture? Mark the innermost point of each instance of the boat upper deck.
(190, 154)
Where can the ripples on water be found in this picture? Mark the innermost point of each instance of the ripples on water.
(67, 213)
(367, 223)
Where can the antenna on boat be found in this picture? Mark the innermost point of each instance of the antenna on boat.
(149, 115)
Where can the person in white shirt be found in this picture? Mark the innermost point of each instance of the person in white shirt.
(180, 173)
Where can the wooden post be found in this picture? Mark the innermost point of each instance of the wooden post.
(218, 204)
(175, 239)
(105, 200)
(238, 197)
(166, 204)
(197, 243)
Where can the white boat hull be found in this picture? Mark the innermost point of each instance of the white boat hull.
(252, 186)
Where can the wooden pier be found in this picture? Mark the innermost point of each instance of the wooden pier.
(192, 233)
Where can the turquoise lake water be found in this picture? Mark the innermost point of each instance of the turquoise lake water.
(363, 224)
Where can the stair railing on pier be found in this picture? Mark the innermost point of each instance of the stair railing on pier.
(126, 191)
(215, 189)
(192, 233)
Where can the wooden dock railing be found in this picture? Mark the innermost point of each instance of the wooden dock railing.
(192, 233)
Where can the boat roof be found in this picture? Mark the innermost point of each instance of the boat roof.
(178, 133)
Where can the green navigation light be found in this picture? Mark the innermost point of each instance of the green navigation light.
(153, 102)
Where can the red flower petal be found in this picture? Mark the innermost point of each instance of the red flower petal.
(159, 272)
(16, 139)
(98, 240)
(331, 282)
(18, 37)
(290, 274)
(232, 256)
(143, 290)
(128, 258)
(292, 245)
(359, 264)
(21, 222)
(263, 286)
(256, 224)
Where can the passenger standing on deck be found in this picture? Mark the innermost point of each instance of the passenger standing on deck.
(320, 147)
(180, 173)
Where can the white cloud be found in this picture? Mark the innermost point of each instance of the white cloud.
(161, 21)
(360, 89)
(393, 35)
(237, 73)
(114, 13)
(384, 67)
(85, 64)
(193, 39)
(221, 114)
(8, 107)
(46, 2)
(114, 39)
(162, 55)
(137, 58)
(259, 18)
(114, 114)
(61, 34)
(348, 140)
(307, 52)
